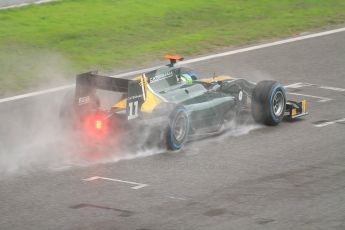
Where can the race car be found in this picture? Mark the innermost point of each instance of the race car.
(172, 104)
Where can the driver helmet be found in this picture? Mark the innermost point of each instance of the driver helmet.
(187, 79)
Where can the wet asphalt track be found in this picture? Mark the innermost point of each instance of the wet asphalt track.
(286, 177)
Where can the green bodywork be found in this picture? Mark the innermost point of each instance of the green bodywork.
(207, 103)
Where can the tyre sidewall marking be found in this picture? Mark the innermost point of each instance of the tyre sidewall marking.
(171, 135)
(240, 95)
(273, 91)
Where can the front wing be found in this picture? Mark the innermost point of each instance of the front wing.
(296, 109)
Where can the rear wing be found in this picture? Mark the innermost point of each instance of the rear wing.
(156, 80)
(87, 83)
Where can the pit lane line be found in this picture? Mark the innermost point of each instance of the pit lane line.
(299, 85)
(136, 184)
(26, 4)
(326, 123)
(228, 53)
(321, 99)
(304, 84)
(332, 88)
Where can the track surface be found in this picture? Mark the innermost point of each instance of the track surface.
(286, 177)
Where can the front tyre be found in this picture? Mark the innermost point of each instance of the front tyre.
(268, 102)
(178, 129)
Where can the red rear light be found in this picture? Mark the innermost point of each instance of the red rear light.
(96, 125)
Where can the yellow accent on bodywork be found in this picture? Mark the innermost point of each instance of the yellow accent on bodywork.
(151, 100)
(121, 104)
(218, 78)
(150, 103)
(304, 106)
(293, 112)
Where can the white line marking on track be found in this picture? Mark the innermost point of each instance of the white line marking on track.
(26, 4)
(252, 48)
(332, 88)
(36, 93)
(298, 85)
(137, 185)
(329, 123)
(281, 42)
(304, 84)
(176, 198)
(321, 99)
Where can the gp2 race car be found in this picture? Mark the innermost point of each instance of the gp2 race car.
(173, 104)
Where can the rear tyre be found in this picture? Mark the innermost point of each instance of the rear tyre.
(268, 102)
(178, 129)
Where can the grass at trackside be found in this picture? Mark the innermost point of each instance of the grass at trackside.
(39, 43)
